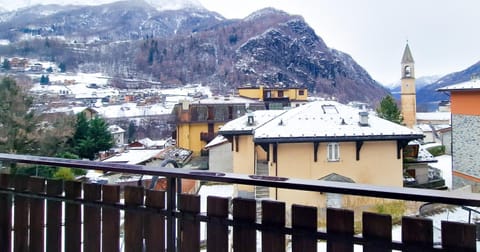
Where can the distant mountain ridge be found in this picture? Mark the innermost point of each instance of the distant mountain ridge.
(132, 39)
(158, 4)
(429, 94)
(428, 97)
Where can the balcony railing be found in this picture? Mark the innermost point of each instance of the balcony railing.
(39, 214)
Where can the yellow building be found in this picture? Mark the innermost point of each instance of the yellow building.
(198, 122)
(320, 140)
(408, 92)
(276, 97)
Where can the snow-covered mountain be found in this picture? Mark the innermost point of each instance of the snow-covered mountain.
(158, 4)
(175, 4)
(419, 82)
(191, 45)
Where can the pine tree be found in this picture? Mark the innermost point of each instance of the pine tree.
(6, 64)
(91, 136)
(131, 132)
(389, 110)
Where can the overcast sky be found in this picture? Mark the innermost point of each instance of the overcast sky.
(442, 34)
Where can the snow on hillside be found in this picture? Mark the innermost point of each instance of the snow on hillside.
(419, 82)
(159, 4)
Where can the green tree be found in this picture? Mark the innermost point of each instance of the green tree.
(81, 128)
(63, 67)
(131, 132)
(6, 64)
(91, 136)
(18, 122)
(44, 79)
(51, 171)
(389, 110)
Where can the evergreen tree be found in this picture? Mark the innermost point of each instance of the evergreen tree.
(389, 110)
(131, 132)
(44, 79)
(81, 128)
(6, 64)
(91, 136)
(63, 67)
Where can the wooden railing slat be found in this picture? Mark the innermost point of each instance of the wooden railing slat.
(37, 215)
(458, 236)
(21, 210)
(217, 233)
(155, 223)
(54, 216)
(273, 216)
(73, 218)
(304, 223)
(110, 219)
(377, 231)
(190, 226)
(22, 203)
(244, 237)
(5, 215)
(91, 218)
(417, 233)
(133, 220)
(340, 229)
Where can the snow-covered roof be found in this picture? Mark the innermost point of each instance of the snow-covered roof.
(149, 143)
(219, 139)
(473, 84)
(434, 116)
(320, 121)
(115, 129)
(225, 100)
(132, 110)
(429, 128)
(134, 156)
(260, 117)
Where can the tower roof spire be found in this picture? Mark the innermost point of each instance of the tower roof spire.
(407, 55)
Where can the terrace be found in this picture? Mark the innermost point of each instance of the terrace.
(51, 215)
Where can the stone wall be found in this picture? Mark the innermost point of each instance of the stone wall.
(466, 149)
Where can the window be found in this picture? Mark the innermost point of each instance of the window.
(333, 152)
(301, 92)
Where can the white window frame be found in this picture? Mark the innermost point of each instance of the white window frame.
(333, 152)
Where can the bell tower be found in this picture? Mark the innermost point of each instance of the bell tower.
(408, 93)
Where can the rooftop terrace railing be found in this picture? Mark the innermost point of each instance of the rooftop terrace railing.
(38, 214)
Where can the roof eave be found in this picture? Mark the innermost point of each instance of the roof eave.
(337, 138)
(458, 89)
(236, 132)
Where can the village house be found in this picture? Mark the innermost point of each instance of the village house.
(118, 135)
(465, 101)
(198, 121)
(275, 97)
(320, 140)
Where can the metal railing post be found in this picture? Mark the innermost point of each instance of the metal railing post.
(172, 199)
(171, 220)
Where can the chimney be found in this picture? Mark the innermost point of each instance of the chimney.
(250, 119)
(363, 118)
